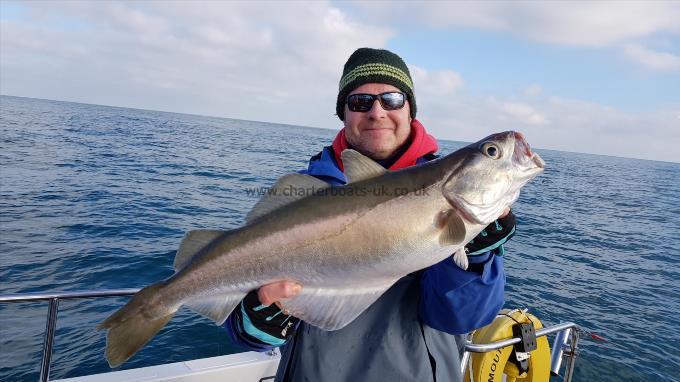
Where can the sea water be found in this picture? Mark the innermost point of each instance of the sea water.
(97, 197)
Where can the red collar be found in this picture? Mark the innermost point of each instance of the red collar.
(422, 143)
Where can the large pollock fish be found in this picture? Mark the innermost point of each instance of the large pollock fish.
(346, 245)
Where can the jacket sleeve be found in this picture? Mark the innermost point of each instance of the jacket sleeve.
(457, 301)
(256, 327)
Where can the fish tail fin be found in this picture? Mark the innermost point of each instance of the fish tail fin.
(135, 324)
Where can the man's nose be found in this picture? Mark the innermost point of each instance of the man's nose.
(377, 110)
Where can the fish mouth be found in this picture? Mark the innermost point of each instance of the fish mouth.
(529, 163)
(538, 161)
(532, 167)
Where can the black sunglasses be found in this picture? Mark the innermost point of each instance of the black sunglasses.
(364, 102)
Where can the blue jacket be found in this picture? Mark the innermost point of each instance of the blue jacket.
(452, 300)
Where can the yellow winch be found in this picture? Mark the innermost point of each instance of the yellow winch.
(511, 361)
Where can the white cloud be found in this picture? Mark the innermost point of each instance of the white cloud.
(558, 123)
(595, 23)
(575, 23)
(437, 82)
(651, 58)
(522, 112)
(235, 59)
(592, 23)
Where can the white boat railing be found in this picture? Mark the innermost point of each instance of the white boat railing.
(565, 331)
(53, 309)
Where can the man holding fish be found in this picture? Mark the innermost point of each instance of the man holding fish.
(408, 333)
(355, 281)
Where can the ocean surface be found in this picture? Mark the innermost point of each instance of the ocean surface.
(97, 197)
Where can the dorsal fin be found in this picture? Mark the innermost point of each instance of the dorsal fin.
(193, 242)
(359, 167)
(287, 189)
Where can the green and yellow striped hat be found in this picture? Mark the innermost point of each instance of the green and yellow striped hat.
(368, 65)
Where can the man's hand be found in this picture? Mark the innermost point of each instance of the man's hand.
(272, 293)
(263, 312)
(505, 212)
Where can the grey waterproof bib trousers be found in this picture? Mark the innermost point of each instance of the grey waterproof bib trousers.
(387, 342)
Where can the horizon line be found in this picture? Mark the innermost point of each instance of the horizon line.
(310, 127)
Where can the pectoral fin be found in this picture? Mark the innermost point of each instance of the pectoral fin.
(453, 228)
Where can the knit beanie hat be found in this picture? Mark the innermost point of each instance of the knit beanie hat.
(368, 65)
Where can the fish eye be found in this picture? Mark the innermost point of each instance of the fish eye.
(491, 150)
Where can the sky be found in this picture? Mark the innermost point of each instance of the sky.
(594, 77)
